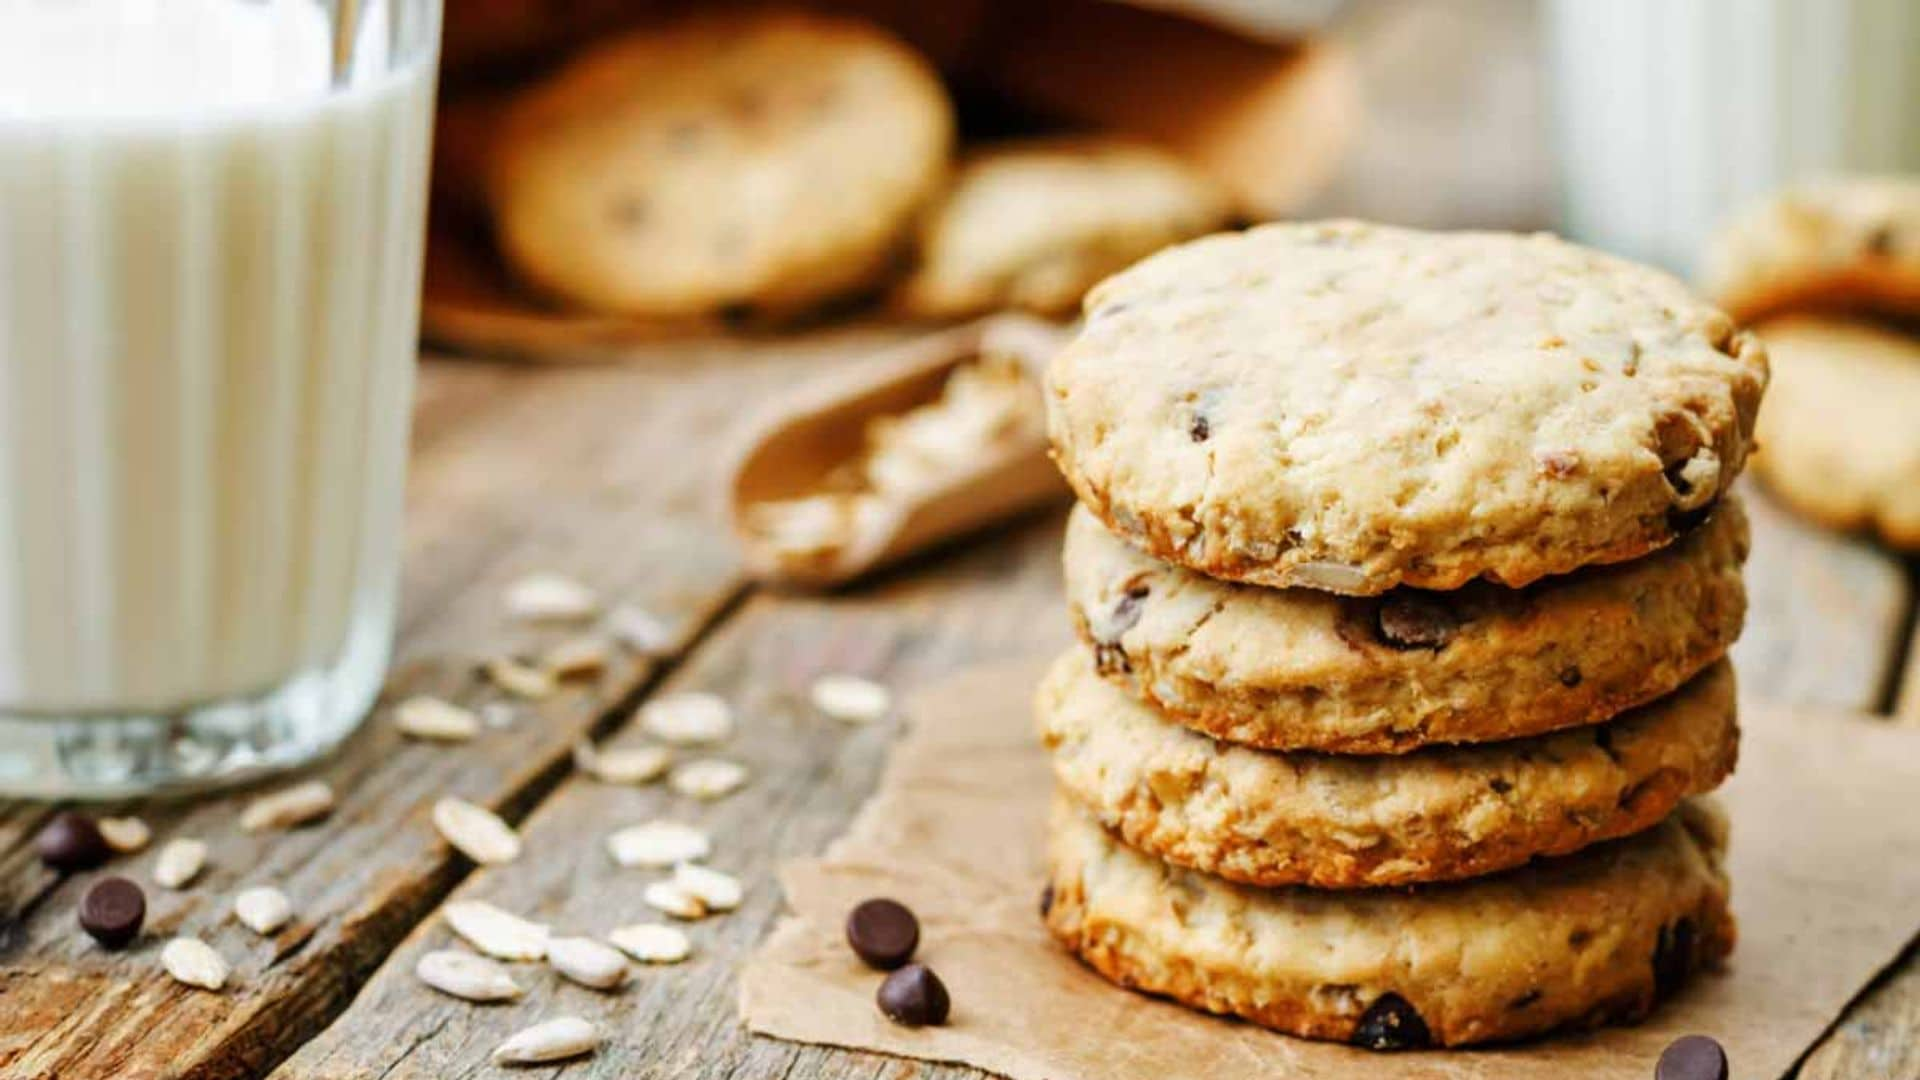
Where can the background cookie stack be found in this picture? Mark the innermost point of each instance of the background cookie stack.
(1404, 570)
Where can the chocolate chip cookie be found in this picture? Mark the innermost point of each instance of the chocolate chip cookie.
(1353, 407)
(1342, 822)
(1300, 669)
(767, 160)
(1584, 939)
(1850, 243)
(1034, 224)
(1840, 436)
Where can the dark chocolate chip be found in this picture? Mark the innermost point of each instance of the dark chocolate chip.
(111, 911)
(883, 933)
(1692, 1057)
(1046, 900)
(1499, 786)
(1570, 676)
(914, 996)
(1200, 430)
(1410, 619)
(1673, 957)
(1391, 1023)
(71, 842)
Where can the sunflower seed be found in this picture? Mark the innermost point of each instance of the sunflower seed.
(622, 765)
(194, 962)
(476, 831)
(125, 835)
(520, 680)
(283, 809)
(549, 1040)
(430, 718)
(581, 656)
(851, 699)
(708, 778)
(687, 719)
(587, 962)
(500, 934)
(180, 861)
(550, 598)
(638, 630)
(464, 975)
(652, 943)
(715, 891)
(658, 844)
(263, 909)
(668, 897)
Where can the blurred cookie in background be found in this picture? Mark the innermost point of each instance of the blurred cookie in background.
(1840, 433)
(760, 161)
(1845, 244)
(1033, 224)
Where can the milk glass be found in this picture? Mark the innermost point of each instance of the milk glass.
(211, 222)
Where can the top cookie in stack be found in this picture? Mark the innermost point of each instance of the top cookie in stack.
(1417, 570)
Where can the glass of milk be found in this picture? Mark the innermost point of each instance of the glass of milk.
(211, 222)
(1672, 113)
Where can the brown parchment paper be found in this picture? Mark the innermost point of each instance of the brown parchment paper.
(1825, 866)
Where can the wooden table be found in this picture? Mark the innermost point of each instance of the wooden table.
(609, 474)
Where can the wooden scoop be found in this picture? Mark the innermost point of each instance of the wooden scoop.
(808, 442)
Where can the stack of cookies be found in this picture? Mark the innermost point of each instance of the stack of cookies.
(1404, 570)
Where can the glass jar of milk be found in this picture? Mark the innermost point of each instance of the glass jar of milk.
(211, 220)
(1671, 113)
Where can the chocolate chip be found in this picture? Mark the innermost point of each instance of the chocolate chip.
(1673, 957)
(1410, 619)
(914, 996)
(1391, 1023)
(1046, 900)
(1199, 430)
(111, 911)
(1570, 676)
(883, 933)
(71, 842)
(1692, 1057)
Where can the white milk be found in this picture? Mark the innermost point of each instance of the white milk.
(1672, 113)
(209, 270)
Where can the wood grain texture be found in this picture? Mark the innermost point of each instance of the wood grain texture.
(810, 773)
(604, 474)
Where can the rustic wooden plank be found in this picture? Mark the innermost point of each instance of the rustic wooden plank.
(601, 473)
(1825, 613)
(810, 773)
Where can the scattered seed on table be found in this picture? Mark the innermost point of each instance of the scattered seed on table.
(192, 961)
(476, 832)
(658, 844)
(708, 778)
(622, 764)
(125, 835)
(466, 976)
(496, 932)
(111, 911)
(587, 962)
(850, 698)
(262, 909)
(667, 897)
(548, 597)
(577, 657)
(883, 933)
(430, 718)
(307, 801)
(690, 718)
(70, 842)
(519, 679)
(497, 715)
(716, 891)
(550, 1040)
(914, 996)
(652, 943)
(179, 862)
(639, 630)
